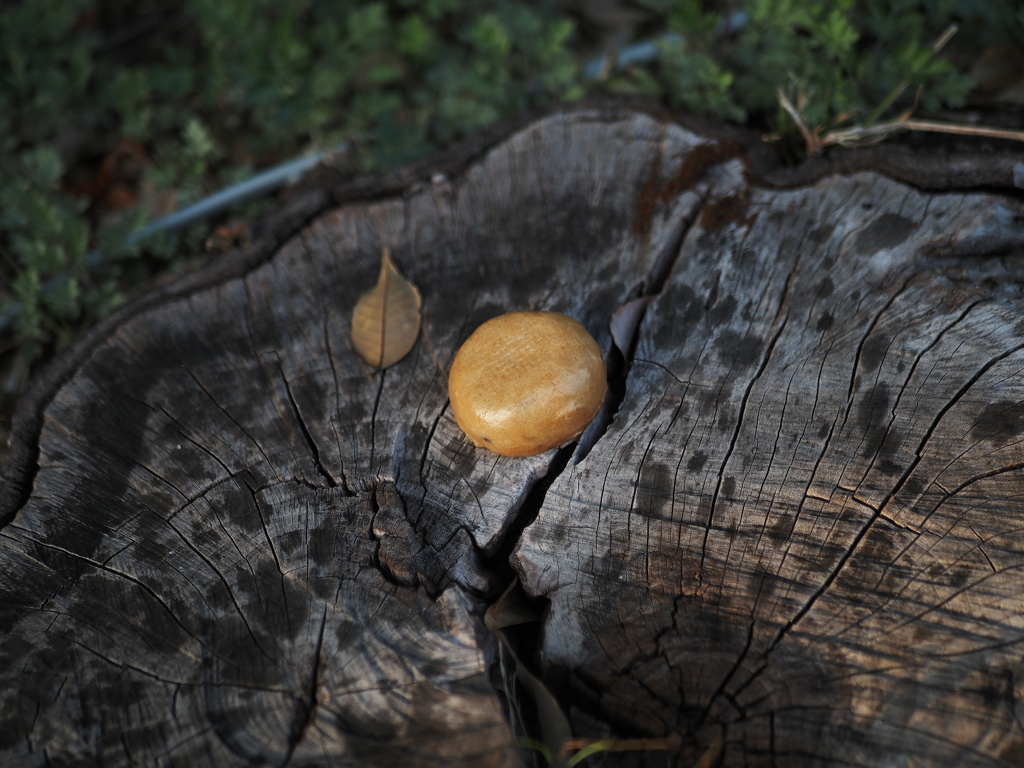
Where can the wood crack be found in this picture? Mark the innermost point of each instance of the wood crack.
(228, 588)
(342, 477)
(216, 402)
(848, 555)
(128, 577)
(855, 368)
(373, 420)
(277, 559)
(306, 705)
(304, 431)
(735, 435)
(620, 361)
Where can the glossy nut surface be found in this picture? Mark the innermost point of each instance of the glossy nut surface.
(526, 382)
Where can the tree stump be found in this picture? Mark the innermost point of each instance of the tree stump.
(795, 533)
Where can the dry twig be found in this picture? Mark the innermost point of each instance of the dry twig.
(859, 136)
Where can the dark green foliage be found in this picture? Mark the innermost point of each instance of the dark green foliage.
(213, 90)
(243, 84)
(838, 60)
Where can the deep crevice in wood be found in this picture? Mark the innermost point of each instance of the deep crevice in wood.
(498, 562)
(306, 436)
(617, 368)
(716, 494)
(305, 709)
(620, 362)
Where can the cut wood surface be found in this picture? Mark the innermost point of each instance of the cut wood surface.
(796, 531)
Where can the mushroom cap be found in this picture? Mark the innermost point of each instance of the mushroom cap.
(526, 382)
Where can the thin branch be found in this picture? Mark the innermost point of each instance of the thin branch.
(813, 147)
(856, 135)
(944, 38)
(876, 133)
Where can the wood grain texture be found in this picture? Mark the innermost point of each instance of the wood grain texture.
(803, 530)
(238, 544)
(242, 544)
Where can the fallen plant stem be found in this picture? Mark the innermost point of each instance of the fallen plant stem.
(815, 142)
(584, 748)
(851, 135)
(813, 145)
(624, 745)
(712, 753)
(881, 131)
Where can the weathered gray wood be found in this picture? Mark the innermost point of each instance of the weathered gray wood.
(227, 541)
(242, 544)
(803, 531)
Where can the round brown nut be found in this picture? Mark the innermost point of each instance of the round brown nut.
(525, 382)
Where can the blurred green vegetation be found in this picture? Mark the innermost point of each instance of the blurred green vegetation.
(838, 60)
(115, 111)
(195, 99)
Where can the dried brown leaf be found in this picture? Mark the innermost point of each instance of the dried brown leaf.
(386, 320)
(554, 725)
(511, 608)
(626, 320)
